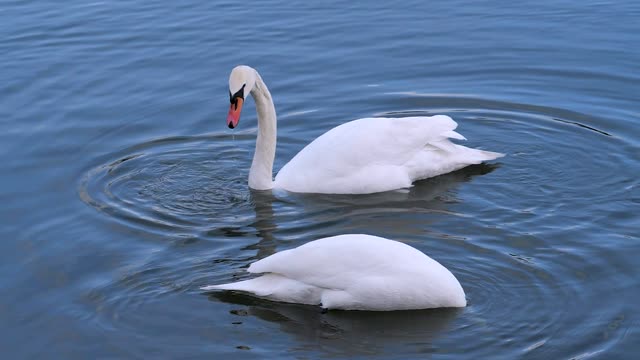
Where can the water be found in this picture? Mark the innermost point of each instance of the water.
(123, 191)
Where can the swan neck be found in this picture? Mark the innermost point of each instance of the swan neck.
(261, 173)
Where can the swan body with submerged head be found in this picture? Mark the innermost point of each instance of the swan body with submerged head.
(359, 157)
(353, 272)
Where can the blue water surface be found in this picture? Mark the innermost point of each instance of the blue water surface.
(123, 191)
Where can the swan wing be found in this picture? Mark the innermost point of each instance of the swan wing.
(376, 154)
(353, 271)
(339, 262)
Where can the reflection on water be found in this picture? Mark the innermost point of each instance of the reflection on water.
(347, 332)
(264, 223)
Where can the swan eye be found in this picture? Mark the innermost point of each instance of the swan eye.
(238, 94)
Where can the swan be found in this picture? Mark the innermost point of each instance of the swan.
(358, 157)
(353, 272)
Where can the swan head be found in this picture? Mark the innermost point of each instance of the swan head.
(241, 82)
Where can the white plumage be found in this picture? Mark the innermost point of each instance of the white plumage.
(353, 272)
(378, 154)
(362, 156)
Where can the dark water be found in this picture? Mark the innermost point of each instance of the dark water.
(123, 192)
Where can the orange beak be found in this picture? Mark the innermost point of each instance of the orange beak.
(234, 112)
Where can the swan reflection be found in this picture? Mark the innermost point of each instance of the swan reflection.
(348, 332)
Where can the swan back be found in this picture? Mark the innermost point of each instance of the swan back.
(378, 154)
(354, 272)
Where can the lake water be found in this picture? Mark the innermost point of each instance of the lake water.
(123, 191)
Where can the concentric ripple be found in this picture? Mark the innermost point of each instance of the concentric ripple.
(504, 229)
(180, 184)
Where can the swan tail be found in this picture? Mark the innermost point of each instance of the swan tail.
(453, 135)
(274, 287)
(475, 156)
(257, 286)
(443, 142)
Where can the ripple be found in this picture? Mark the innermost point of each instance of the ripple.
(493, 109)
(503, 291)
(504, 229)
(181, 184)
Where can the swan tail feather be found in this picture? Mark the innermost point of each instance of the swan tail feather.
(255, 286)
(442, 141)
(478, 156)
(274, 287)
(453, 135)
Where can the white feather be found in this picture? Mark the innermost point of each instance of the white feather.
(353, 272)
(378, 154)
(362, 156)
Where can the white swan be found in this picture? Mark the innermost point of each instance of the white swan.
(362, 156)
(353, 272)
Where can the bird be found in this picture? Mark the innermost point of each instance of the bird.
(362, 156)
(352, 272)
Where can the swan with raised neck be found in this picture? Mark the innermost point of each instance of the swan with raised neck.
(243, 80)
(357, 157)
